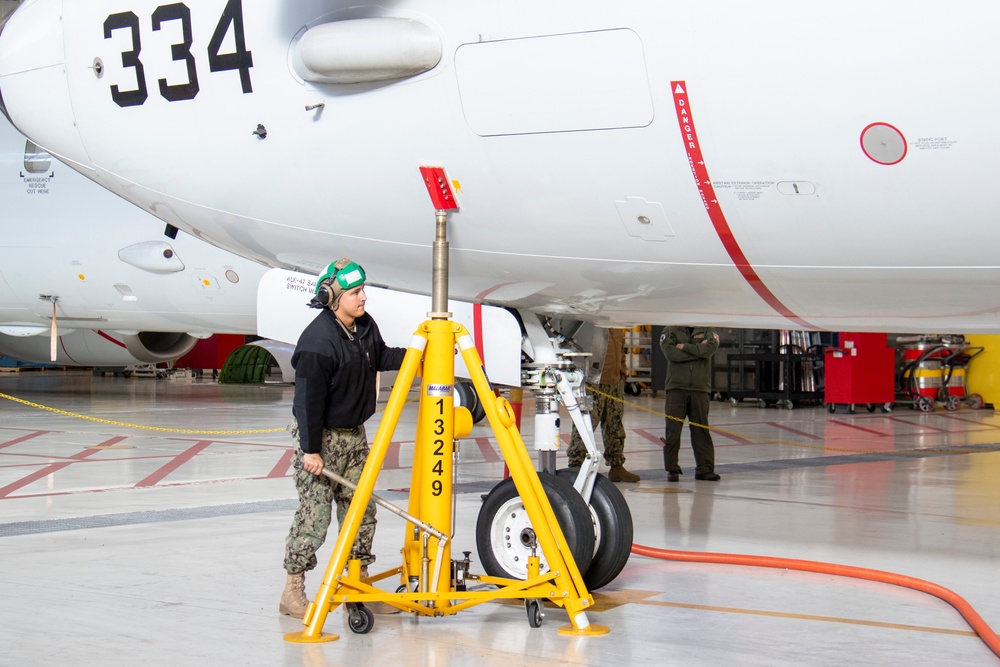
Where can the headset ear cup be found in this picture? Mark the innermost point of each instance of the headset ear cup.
(324, 295)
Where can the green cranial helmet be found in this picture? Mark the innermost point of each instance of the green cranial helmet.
(345, 273)
(350, 276)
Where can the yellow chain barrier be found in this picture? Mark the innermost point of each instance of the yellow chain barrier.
(139, 426)
(825, 448)
(590, 387)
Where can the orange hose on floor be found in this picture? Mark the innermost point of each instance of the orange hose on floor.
(964, 608)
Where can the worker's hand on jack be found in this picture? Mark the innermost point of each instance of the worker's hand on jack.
(312, 463)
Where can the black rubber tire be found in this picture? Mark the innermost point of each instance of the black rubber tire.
(360, 619)
(468, 398)
(533, 609)
(503, 520)
(613, 530)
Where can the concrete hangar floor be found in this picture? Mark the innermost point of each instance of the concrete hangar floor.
(164, 547)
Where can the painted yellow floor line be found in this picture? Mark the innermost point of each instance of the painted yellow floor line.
(809, 617)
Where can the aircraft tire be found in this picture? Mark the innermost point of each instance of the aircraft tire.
(504, 533)
(613, 530)
(467, 397)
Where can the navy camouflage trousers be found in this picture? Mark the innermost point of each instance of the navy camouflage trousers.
(607, 413)
(344, 452)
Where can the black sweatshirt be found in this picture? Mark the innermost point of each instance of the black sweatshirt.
(335, 376)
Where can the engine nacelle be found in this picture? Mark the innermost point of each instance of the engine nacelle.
(86, 347)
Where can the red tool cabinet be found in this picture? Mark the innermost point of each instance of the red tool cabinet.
(860, 371)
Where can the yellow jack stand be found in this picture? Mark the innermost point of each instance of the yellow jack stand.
(427, 558)
(425, 575)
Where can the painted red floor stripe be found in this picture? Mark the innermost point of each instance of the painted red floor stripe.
(900, 420)
(794, 430)
(55, 467)
(283, 467)
(391, 461)
(739, 440)
(174, 464)
(861, 428)
(24, 438)
(486, 449)
(655, 439)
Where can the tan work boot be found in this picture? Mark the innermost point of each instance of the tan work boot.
(293, 599)
(619, 474)
(378, 607)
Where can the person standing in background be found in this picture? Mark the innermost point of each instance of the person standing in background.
(608, 410)
(689, 353)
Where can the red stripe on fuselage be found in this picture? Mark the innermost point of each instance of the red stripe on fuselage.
(106, 336)
(693, 148)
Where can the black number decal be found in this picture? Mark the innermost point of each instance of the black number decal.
(241, 59)
(180, 91)
(440, 448)
(437, 487)
(438, 467)
(128, 98)
(440, 404)
(440, 427)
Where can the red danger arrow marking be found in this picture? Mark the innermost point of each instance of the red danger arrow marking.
(708, 198)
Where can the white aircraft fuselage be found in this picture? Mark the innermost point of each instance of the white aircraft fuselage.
(118, 290)
(778, 165)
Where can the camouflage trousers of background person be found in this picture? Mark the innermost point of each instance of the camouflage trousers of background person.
(344, 452)
(608, 414)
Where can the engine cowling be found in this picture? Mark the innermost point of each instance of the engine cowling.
(86, 347)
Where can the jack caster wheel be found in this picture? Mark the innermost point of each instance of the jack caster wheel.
(505, 537)
(534, 610)
(360, 619)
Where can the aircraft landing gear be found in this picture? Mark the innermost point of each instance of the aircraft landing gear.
(506, 539)
(503, 532)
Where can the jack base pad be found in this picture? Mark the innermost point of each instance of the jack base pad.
(301, 638)
(591, 630)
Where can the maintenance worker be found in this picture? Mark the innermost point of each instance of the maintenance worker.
(607, 413)
(336, 360)
(689, 353)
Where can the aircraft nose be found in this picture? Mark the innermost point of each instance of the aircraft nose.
(33, 85)
(3, 107)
